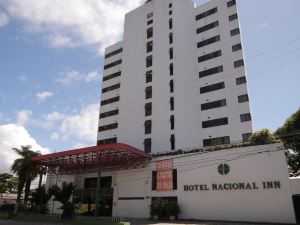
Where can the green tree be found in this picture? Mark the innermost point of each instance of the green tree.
(8, 183)
(26, 171)
(289, 133)
(63, 195)
(263, 137)
(40, 197)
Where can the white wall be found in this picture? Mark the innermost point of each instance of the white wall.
(295, 185)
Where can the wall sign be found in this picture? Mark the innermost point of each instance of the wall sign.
(164, 175)
(223, 169)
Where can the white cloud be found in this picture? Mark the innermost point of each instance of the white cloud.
(13, 136)
(3, 19)
(70, 77)
(23, 117)
(54, 116)
(68, 23)
(42, 96)
(80, 145)
(54, 136)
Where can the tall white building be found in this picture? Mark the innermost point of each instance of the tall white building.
(177, 80)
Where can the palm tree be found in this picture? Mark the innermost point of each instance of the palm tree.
(63, 196)
(26, 171)
(41, 197)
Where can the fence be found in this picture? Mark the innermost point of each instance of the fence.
(80, 219)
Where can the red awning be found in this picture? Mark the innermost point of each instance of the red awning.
(107, 157)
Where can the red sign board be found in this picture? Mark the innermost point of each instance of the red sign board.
(164, 175)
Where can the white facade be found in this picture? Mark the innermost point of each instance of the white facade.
(126, 120)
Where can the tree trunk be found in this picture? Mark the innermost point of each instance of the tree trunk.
(27, 190)
(20, 189)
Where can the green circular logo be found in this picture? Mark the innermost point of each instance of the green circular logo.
(223, 169)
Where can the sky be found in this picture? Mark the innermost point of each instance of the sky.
(51, 59)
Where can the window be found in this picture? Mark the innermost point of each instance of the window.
(239, 63)
(208, 41)
(171, 86)
(233, 17)
(113, 64)
(172, 121)
(209, 56)
(149, 61)
(171, 38)
(207, 13)
(108, 127)
(111, 76)
(241, 80)
(237, 47)
(213, 105)
(212, 71)
(148, 92)
(231, 3)
(245, 117)
(215, 123)
(171, 69)
(154, 180)
(170, 12)
(148, 109)
(149, 46)
(110, 88)
(212, 87)
(107, 141)
(147, 145)
(170, 5)
(149, 15)
(216, 141)
(148, 127)
(172, 140)
(110, 54)
(207, 27)
(243, 98)
(170, 23)
(149, 22)
(171, 53)
(235, 32)
(109, 114)
(110, 100)
(172, 103)
(150, 32)
(246, 137)
(149, 76)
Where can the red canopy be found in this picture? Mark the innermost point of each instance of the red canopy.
(107, 157)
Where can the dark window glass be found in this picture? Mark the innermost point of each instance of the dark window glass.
(112, 64)
(208, 41)
(149, 46)
(235, 32)
(216, 141)
(150, 32)
(213, 105)
(149, 76)
(172, 103)
(212, 87)
(148, 92)
(210, 56)
(237, 47)
(239, 63)
(207, 27)
(107, 141)
(149, 15)
(111, 76)
(215, 123)
(207, 13)
(171, 86)
(170, 12)
(245, 117)
(110, 54)
(149, 61)
(172, 140)
(91, 182)
(149, 22)
(109, 114)
(212, 71)
(174, 179)
(241, 80)
(108, 127)
(231, 3)
(171, 53)
(170, 5)
(110, 100)
(233, 17)
(171, 38)
(148, 109)
(243, 98)
(147, 145)
(172, 121)
(246, 137)
(111, 88)
(154, 180)
(170, 23)
(148, 127)
(171, 67)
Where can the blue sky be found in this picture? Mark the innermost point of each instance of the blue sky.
(51, 66)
